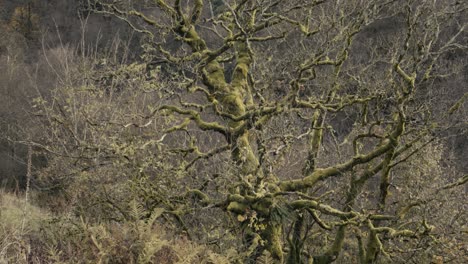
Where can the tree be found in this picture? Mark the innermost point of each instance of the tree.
(287, 128)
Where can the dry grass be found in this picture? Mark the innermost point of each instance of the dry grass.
(18, 220)
(29, 234)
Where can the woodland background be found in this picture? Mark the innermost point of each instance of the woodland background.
(103, 152)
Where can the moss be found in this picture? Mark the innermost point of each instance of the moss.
(195, 41)
(233, 104)
(372, 248)
(263, 206)
(314, 142)
(200, 195)
(247, 157)
(239, 75)
(236, 207)
(273, 234)
(338, 243)
(308, 181)
(214, 78)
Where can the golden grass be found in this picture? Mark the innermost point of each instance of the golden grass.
(14, 211)
(17, 220)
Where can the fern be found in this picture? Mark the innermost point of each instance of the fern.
(152, 241)
(214, 258)
(155, 215)
(265, 258)
(137, 211)
(151, 247)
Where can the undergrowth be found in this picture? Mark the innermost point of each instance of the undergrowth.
(29, 234)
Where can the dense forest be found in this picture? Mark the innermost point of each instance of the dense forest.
(233, 131)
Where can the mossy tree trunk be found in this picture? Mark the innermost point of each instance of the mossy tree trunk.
(333, 86)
